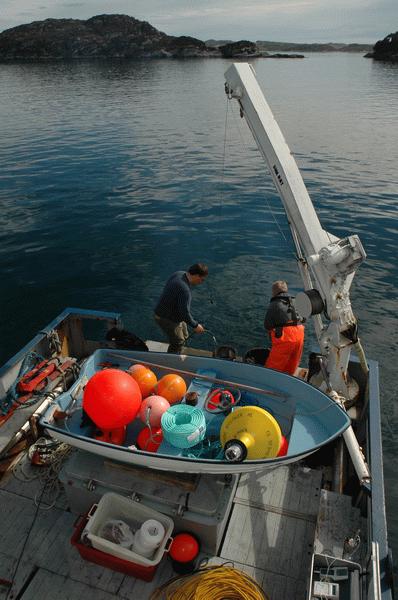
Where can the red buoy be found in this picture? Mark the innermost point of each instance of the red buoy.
(149, 439)
(184, 548)
(283, 448)
(112, 436)
(220, 400)
(111, 399)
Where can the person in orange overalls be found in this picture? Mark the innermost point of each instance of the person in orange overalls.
(285, 331)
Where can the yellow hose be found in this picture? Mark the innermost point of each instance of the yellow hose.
(211, 583)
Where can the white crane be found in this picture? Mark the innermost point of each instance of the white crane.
(327, 264)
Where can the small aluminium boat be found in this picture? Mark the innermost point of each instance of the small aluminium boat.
(307, 418)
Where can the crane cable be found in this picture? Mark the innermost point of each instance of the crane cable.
(215, 583)
(273, 215)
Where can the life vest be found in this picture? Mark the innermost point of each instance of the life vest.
(280, 313)
(34, 384)
(33, 379)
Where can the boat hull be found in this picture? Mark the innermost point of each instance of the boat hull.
(168, 463)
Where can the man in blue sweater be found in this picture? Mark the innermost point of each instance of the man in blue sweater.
(173, 310)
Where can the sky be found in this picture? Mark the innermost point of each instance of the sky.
(323, 21)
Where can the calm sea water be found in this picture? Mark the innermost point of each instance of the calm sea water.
(115, 174)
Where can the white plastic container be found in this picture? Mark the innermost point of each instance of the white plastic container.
(114, 506)
(148, 538)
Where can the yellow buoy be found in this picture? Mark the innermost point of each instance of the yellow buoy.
(250, 432)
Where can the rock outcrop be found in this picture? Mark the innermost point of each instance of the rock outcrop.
(102, 36)
(386, 49)
(242, 49)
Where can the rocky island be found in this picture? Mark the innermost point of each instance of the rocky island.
(102, 36)
(386, 49)
(111, 36)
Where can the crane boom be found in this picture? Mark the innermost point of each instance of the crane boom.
(327, 263)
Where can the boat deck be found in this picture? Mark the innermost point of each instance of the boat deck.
(277, 520)
(270, 535)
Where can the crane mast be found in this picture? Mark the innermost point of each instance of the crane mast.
(327, 263)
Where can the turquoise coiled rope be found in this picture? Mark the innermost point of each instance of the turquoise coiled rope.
(183, 425)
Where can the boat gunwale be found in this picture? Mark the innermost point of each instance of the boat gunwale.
(44, 331)
(376, 500)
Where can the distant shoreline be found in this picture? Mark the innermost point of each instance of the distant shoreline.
(264, 45)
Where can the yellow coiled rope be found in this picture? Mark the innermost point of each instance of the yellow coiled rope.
(211, 583)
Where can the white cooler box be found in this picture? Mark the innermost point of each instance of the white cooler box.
(115, 507)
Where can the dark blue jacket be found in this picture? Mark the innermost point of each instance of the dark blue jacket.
(175, 302)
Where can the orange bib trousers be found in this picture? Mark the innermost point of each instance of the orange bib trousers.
(286, 351)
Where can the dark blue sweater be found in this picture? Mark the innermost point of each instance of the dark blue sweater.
(175, 302)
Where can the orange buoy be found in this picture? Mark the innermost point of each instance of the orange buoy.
(149, 439)
(137, 367)
(111, 399)
(145, 378)
(112, 436)
(172, 387)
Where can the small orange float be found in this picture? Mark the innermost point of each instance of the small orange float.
(172, 387)
(145, 378)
